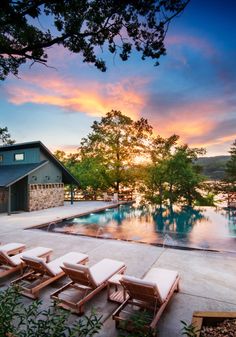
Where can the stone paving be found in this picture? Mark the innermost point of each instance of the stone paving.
(208, 279)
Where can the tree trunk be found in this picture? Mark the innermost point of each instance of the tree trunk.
(161, 196)
(117, 187)
(171, 195)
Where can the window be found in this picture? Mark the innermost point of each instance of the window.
(1, 158)
(19, 156)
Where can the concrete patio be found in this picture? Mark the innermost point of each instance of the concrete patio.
(207, 279)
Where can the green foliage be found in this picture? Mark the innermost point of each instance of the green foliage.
(207, 200)
(61, 156)
(10, 307)
(187, 178)
(90, 171)
(114, 143)
(82, 27)
(154, 184)
(5, 136)
(231, 165)
(108, 159)
(137, 325)
(172, 175)
(92, 175)
(189, 330)
(18, 320)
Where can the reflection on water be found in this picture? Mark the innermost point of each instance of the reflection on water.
(180, 220)
(231, 215)
(201, 227)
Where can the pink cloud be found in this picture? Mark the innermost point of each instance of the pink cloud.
(193, 42)
(93, 98)
(196, 122)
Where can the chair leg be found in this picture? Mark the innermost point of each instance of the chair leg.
(177, 288)
(81, 310)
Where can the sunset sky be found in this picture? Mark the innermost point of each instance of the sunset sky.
(192, 93)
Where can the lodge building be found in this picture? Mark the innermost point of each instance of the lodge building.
(31, 178)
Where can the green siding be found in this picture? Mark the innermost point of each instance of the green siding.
(19, 195)
(47, 174)
(30, 156)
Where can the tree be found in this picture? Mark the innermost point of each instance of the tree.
(5, 137)
(115, 142)
(231, 164)
(185, 176)
(61, 156)
(89, 171)
(155, 174)
(82, 26)
(154, 187)
(172, 176)
(92, 176)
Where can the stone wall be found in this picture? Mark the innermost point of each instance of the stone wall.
(41, 196)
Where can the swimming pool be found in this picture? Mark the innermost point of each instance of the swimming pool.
(201, 228)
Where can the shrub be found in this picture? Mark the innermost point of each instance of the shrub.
(189, 330)
(18, 320)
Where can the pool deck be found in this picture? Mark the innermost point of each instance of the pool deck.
(208, 279)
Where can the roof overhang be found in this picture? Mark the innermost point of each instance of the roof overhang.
(10, 174)
(67, 177)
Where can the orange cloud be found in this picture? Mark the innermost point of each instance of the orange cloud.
(192, 121)
(229, 139)
(92, 98)
(66, 148)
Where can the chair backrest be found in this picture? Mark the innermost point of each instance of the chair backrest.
(6, 259)
(141, 290)
(78, 273)
(37, 264)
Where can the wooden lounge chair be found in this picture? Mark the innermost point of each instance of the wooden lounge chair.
(106, 197)
(10, 264)
(41, 274)
(85, 283)
(12, 248)
(150, 294)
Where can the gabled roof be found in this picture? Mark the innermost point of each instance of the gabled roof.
(10, 174)
(67, 177)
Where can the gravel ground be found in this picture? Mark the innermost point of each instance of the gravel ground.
(226, 328)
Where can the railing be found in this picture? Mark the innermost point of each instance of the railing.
(84, 195)
(232, 199)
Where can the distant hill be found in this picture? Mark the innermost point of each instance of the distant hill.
(213, 167)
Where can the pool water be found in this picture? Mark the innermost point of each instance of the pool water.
(202, 227)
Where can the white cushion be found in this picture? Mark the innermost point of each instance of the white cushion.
(79, 267)
(74, 257)
(34, 252)
(139, 281)
(33, 258)
(100, 272)
(143, 282)
(163, 278)
(103, 270)
(54, 267)
(12, 246)
(6, 257)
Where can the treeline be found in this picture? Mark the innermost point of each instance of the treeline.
(213, 167)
